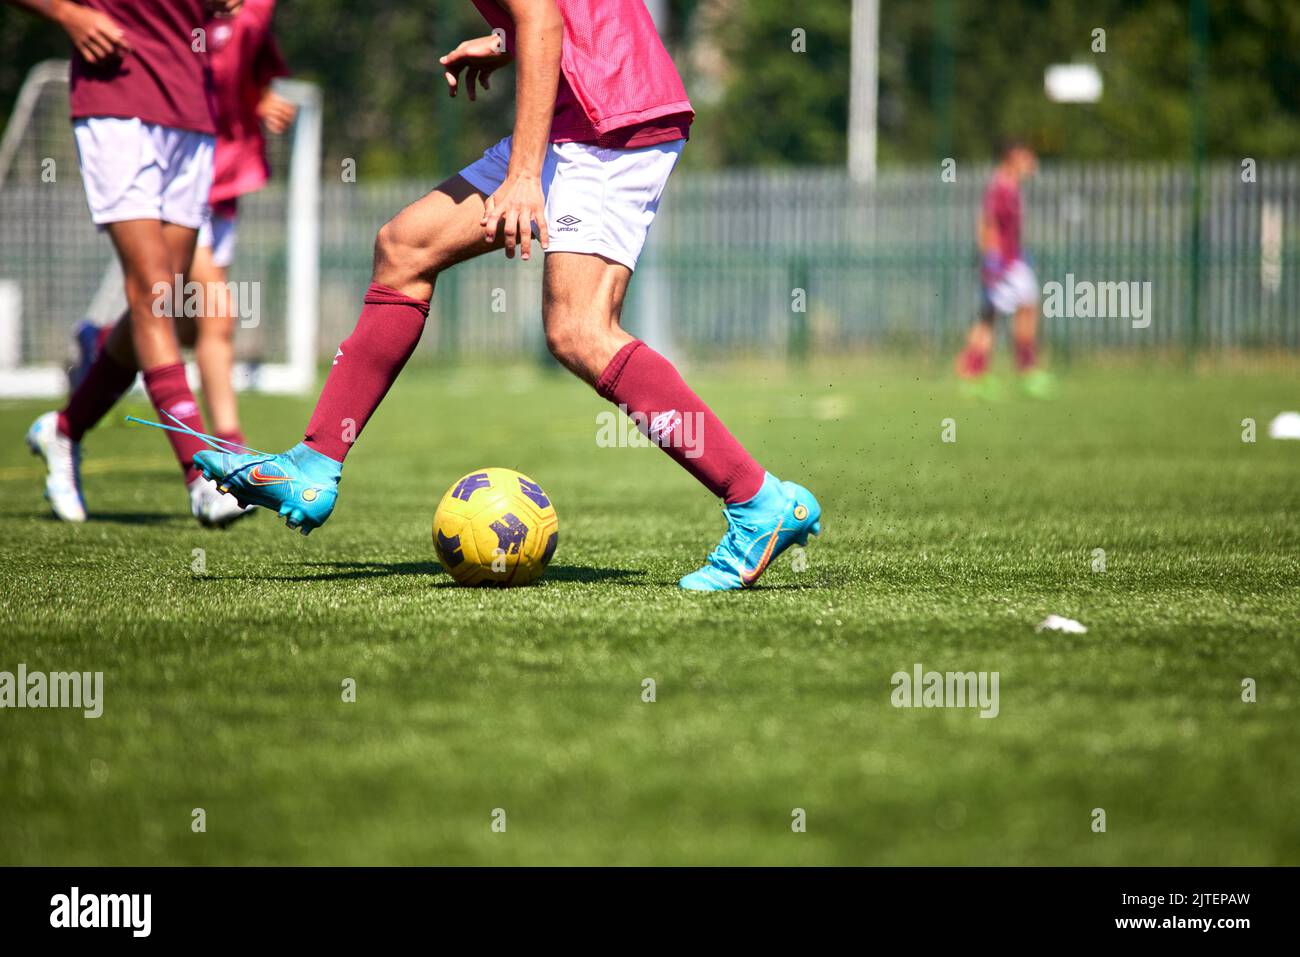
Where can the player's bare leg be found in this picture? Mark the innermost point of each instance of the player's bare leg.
(155, 256)
(432, 234)
(582, 301)
(149, 252)
(973, 361)
(214, 346)
(1036, 381)
(1024, 335)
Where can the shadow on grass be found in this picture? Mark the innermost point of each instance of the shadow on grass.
(350, 571)
(135, 518)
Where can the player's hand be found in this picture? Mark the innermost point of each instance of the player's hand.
(96, 36)
(276, 112)
(515, 207)
(479, 57)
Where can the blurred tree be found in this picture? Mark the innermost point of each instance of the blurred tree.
(784, 74)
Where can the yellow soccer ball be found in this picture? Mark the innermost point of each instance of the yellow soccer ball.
(495, 527)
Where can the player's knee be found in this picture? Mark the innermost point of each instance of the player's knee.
(565, 343)
(403, 256)
(217, 329)
(397, 260)
(389, 249)
(150, 295)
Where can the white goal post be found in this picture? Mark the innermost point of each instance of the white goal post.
(56, 269)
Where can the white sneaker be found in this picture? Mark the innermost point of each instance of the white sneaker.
(213, 508)
(63, 460)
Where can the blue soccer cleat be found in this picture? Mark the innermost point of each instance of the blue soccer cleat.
(780, 515)
(300, 485)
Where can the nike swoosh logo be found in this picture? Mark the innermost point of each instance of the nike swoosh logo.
(749, 576)
(258, 477)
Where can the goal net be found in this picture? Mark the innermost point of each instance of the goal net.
(57, 269)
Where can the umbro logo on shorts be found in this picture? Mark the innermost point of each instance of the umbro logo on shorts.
(568, 223)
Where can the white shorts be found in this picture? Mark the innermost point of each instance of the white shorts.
(218, 234)
(137, 170)
(1017, 287)
(598, 200)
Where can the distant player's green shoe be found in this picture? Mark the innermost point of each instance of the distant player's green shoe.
(986, 388)
(780, 515)
(300, 485)
(1038, 384)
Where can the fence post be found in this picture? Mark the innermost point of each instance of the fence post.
(797, 343)
(1199, 71)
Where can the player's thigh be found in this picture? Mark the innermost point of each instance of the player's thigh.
(582, 300)
(180, 242)
(584, 289)
(209, 279)
(194, 301)
(440, 229)
(145, 259)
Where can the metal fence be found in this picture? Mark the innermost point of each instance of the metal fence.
(770, 263)
(806, 262)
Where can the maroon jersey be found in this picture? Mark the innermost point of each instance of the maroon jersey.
(1002, 209)
(618, 86)
(245, 58)
(162, 80)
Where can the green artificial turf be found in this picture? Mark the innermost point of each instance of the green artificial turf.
(223, 689)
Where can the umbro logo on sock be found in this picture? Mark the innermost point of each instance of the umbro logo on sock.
(663, 425)
(337, 356)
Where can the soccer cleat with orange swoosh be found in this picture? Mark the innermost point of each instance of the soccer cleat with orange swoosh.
(300, 485)
(780, 515)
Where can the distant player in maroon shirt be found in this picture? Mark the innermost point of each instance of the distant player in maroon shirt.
(143, 121)
(245, 59)
(601, 117)
(1009, 286)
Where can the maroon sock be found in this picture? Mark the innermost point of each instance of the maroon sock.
(99, 391)
(101, 338)
(1026, 355)
(365, 368)
(171, 396)
(647, 387)
(231, 435)
(973, 363)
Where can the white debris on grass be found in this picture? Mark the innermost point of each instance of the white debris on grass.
(1057, 623)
